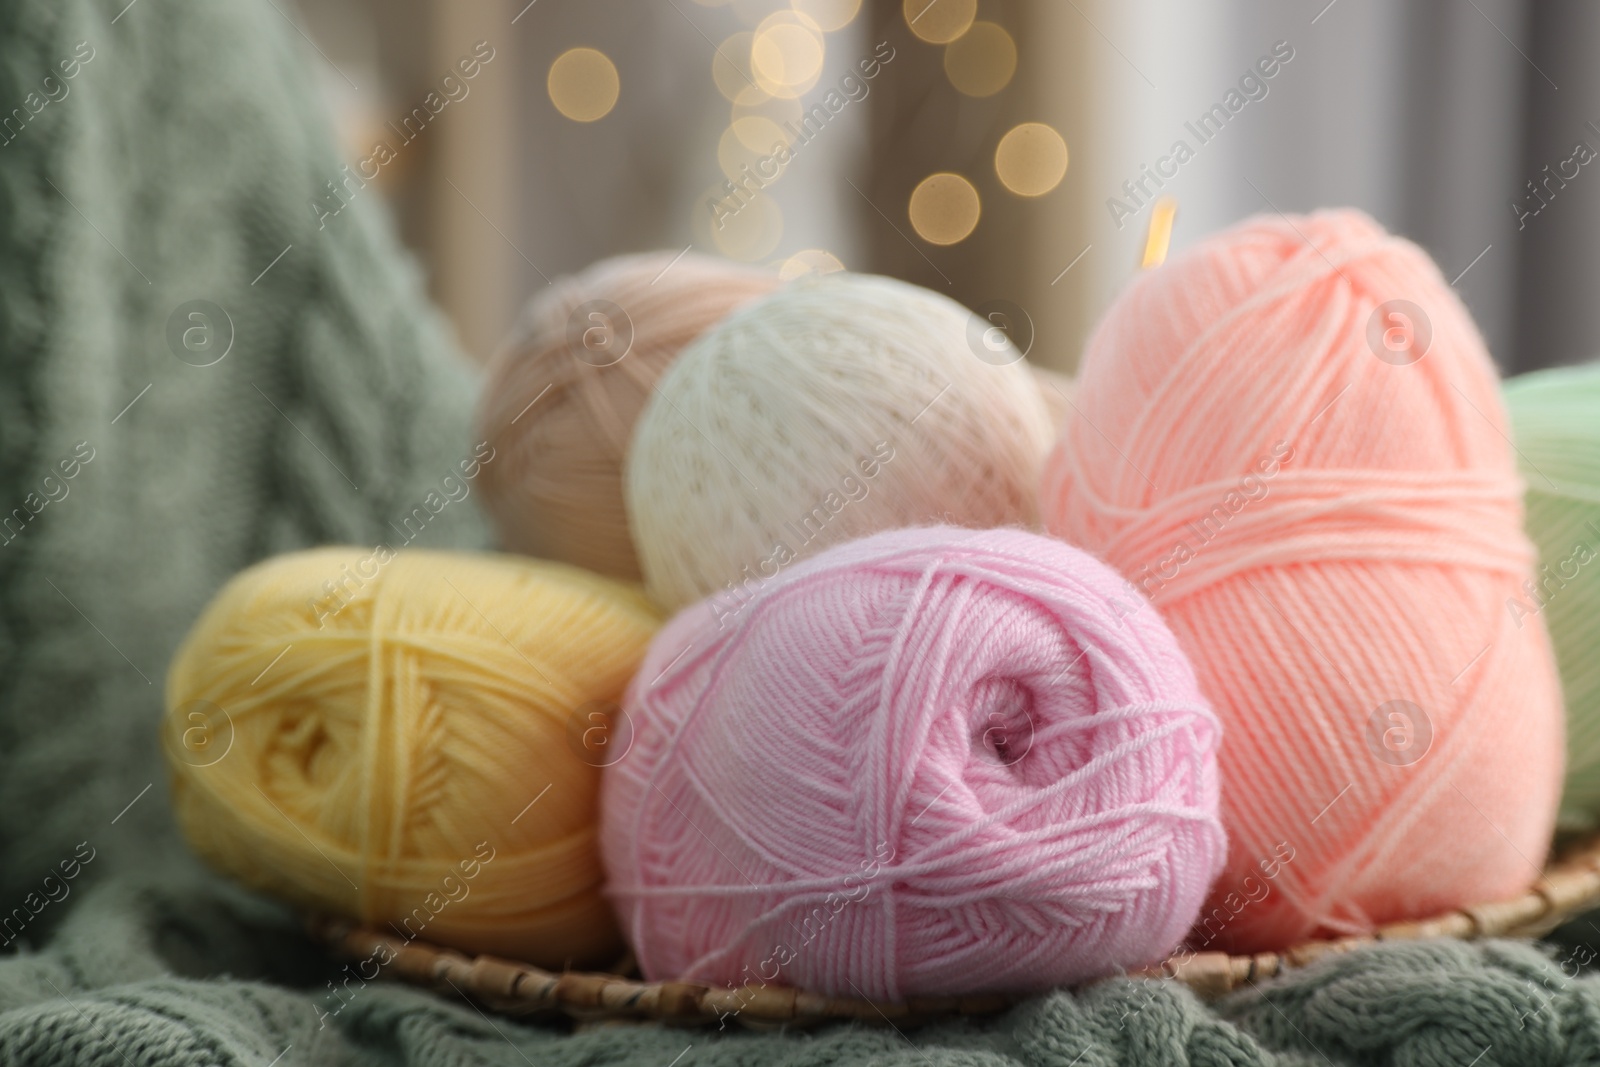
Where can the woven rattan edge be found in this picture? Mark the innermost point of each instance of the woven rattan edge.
(521, 989)
(1567, 888)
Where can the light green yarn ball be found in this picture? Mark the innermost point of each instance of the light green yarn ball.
(1556, 418)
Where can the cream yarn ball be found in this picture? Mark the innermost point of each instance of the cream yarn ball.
(836, 407)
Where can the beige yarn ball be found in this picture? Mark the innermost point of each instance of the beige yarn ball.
(838, 406)
(561, 397)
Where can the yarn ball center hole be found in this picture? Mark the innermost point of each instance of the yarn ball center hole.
(1005, 724)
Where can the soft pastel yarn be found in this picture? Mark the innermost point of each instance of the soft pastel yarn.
(1556, 418)
(561, 397)
(1315, 487)
(391, 738)
(838, 406)
(931, 761)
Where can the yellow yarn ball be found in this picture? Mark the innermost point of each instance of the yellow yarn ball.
(406, 739)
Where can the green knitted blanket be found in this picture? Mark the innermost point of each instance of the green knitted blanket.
(195, 373)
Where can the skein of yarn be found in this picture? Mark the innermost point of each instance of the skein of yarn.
(848, 791)
(1292, 439)
(561, 397)
(838, 406)
(1556, 417)
(398, 738)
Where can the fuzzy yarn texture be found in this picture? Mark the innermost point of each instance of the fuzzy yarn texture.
(838, 406)
(123, 984)
(339, 408)
(145, 958)
(561, 397)
(1556, 418)
(398, 751)
(845, 792)
(1315, 487)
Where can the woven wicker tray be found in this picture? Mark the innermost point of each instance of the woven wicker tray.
(1569, 887)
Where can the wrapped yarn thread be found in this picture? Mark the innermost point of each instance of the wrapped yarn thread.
(386, 737)
(930, 761)
(838, 406)
(561, 398)
(1292, 439)
(1556, 417)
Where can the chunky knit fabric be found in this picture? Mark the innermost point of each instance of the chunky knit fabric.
(138, 977)
(190, 145)
(177, 164)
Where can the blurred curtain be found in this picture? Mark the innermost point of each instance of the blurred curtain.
(503, 193)
(1557, 314)
(1432, 115)
(452, 183)
(1021, 245)
(1439, 117)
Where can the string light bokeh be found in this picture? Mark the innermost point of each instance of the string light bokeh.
(751, 129)
(768, 75)
(583, 84)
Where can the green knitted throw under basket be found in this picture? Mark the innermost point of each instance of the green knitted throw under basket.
(177, 166)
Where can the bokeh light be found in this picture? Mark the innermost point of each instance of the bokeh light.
(809, 261)
(944, 208)
(1159, 237)
(730, 70)
(760, 134)
(786, 54)
(751, 142)
(745, 225)
(939, 21)
(829, 15)
(775, 108)
(583, 84)
(751, 12)
(981, 61)
(1031, 159)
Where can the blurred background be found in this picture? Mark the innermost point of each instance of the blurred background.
(1025, 151)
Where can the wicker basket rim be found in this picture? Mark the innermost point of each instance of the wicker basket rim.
(1567, 888)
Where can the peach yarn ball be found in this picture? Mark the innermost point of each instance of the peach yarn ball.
(1292, 439)
(561, 397)
(838, 406)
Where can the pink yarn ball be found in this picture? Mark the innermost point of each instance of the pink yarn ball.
(931, 761)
